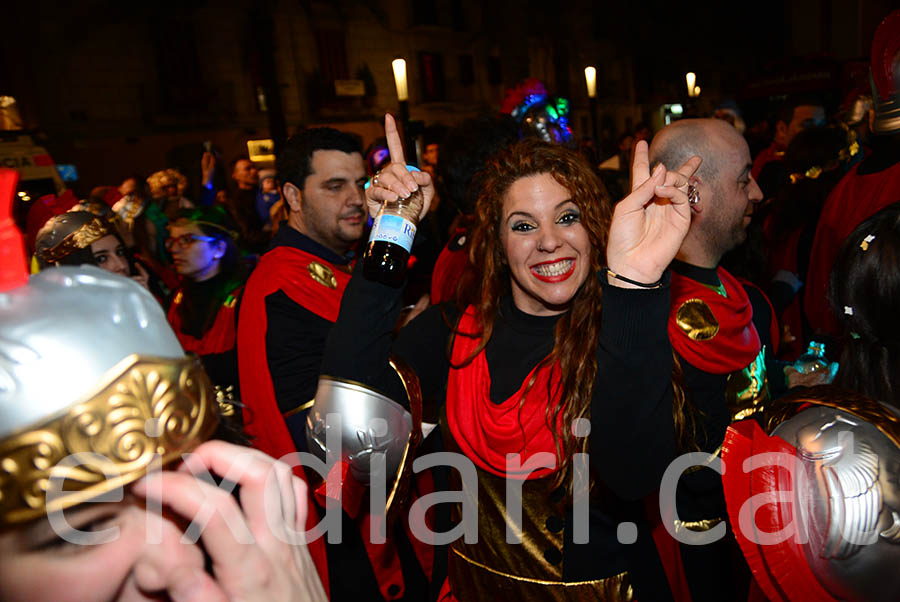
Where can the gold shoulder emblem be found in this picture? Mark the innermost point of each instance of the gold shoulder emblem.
(697, 321)
(322, 274)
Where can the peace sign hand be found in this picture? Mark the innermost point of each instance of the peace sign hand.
(395, 181)
(649, 225)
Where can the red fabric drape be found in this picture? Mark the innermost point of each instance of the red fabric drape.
(286, 269)
(486, 431)
(735, 345)
(221, 337)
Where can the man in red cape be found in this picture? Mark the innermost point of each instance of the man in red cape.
(289, 305)
(870, 186)
(793, 117)
(711, 326)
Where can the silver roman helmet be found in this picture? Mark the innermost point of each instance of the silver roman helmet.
(370, 426)
(94, 386)
(815, 504)
(851, 499)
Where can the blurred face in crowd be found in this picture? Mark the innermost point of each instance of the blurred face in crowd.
(731, 194)
(195, 255)
(331, 207)
(547, 248)
(430, 156)
(128, 186)
(804, 117)
(268, 185)
(109, 254)
(642, 134)
(39, 565)
(245, 174)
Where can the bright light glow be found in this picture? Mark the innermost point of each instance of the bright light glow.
(676, 109)
(697, 91)
(590, 78)
(691, 79)
(400, 79)
(26, 198)
(21, 194)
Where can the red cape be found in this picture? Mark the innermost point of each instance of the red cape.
(221, 337)
(449, 267)
(286, 269)
(855, 198)
(780, 570)
(774, 329)
(766, 155)
(736, 343)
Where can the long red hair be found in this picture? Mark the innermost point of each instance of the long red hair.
(487, 278)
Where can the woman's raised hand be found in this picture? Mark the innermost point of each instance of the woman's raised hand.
(649, 225)
(394, 181)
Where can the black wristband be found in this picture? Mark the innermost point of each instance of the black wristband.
(610, 273)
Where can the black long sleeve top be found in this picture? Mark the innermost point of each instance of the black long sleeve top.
(295, 337)
(631, 408)
(632, 435)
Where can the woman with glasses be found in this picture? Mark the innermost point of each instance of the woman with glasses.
(202, 246)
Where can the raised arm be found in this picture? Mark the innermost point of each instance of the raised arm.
(362, 340)
(632, 430)
(649, 225)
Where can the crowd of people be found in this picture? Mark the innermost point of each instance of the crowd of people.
(569, 327)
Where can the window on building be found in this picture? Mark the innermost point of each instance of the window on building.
(425, 12)
(441, 13)
(466, 70)
(495, 76)
(431, 68)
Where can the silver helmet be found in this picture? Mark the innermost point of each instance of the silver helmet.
(367, 425)
(848, 500)
(885, 75)
(89, 366)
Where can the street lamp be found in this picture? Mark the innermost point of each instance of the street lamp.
(590, 78)
(399, 66)
(691, 79)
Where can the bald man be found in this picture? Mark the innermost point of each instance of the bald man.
(711, 326)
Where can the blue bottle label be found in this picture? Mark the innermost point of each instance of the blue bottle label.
(393, 228)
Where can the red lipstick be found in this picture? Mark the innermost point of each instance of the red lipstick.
(556, 277)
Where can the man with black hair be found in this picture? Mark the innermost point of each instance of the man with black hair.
(293, 296)
(792, 118)
(288, 308)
